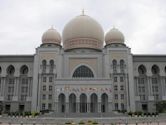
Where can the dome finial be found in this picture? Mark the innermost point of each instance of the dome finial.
(52, 27)
(83, 12)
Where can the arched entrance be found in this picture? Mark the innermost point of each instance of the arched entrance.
(72, 103)
(104, 102)
(93, 103)
(83, 103)
(61, 100)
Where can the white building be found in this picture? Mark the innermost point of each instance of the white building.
(83, 76)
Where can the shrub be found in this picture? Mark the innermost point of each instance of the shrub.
(81, 122)
(68, 122)
(95, 122)
(35, 114)
(130, 113)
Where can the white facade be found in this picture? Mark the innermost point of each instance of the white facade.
(84, 77)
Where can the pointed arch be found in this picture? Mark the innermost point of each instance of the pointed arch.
(10, 70)
(155, 70)
(104, 102)
(72, 102)
(114, 63)
(24, 70)
(62, 102)
(122, 65)
(83, 103)
(51, 66)
(93, 103)
(44, 63)
(83, 71)
(142, 70)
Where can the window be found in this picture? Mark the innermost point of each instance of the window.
(116, 96)
(10, 70)
(143, 89)
(49, 106)
(24, 89)
(23, 97)
(121, 87)
(51, 66)
(116, 106)
(44, 66)
(43, 106)
(122, 96)
(141, 70)
(114, 62)
(11, 89)
(122, 106)
(44, 97)
(115, 87)
(154, 80)
(50, 88)
(9, 97)
(44, 88)
(115, 79)
(0, 83)
(44, 79)
(121, 79)
(11, 81)
(0, 70)
(24, 70)
(24, 81)
(155, 69)
(156, 96)
(50, 97)
(50, 79)
(83, 71)
(122, 66)
(142, 97)
(155, 88)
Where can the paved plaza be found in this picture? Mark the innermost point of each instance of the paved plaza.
(75, 121)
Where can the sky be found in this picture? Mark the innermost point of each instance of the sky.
(22, 22)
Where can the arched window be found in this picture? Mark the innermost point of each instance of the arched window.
(122, 66)
(141, 70)
(83, 103)
(94, 102)
(51, 66)
(24, 70)
(62, 103)
(155, 70)
(72, 102)
(44, 63)
(10, 70)
(0, 70)
(83, 71)
(104, 102)
(114, 62)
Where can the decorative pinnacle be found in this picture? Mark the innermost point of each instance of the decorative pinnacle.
(83, 12)
(52, 27)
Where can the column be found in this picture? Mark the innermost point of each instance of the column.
(77, 104)
(88, 104)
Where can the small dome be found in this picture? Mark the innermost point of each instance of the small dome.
(51, 36)
(114, 36)
(83, 32)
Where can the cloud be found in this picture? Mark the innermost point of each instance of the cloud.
(23, 22)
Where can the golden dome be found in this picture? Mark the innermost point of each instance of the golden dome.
(83, 32)
(114, 36)
(51, 36)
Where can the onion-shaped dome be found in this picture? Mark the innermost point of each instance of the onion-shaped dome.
(51, 36)
(114, 36)
(83, 32)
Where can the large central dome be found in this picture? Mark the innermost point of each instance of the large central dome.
(83, 32)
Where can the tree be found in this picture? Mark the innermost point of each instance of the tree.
(161, 106)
